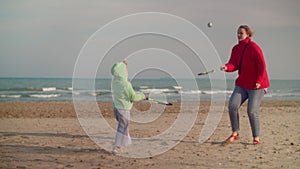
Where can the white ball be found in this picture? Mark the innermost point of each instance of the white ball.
(209, 24)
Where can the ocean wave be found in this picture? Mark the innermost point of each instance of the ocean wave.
(177, 87)
(47, 89)
(191, 92)
(20, 89)
(33, 89)
(208, 92)
(64, 89)
(44, 89)
(217, 92)
(100, 92)
(10, 96)
(156, 91)
(284, 94)
(44, 95)
(92, 93)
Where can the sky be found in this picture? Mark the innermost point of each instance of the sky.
(44, 38)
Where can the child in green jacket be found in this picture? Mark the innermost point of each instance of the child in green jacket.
(123, 96)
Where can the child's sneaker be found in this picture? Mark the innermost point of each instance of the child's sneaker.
(117, 150)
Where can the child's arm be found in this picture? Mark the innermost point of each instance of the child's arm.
(133, 96)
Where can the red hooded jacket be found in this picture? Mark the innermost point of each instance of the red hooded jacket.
(253, 66)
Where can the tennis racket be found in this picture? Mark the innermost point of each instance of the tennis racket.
(160, 102)
(208, 72)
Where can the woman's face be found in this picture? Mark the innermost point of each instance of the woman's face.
(242, 34)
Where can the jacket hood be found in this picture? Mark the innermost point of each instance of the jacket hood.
(119, 70)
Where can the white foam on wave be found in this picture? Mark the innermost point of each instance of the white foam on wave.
(44, 95)
(155, 90)
(211, 92)
(217, 92)
(191, 92)
(101, 92)
(10, 96)
(177, 87)
(47, 89)
(92, 92)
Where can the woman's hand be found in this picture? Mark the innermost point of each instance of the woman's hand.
(223, 68)
(257, 85)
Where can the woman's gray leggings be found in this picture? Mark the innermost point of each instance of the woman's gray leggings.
(238, 97)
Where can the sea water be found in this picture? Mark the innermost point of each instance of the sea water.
(62, 89)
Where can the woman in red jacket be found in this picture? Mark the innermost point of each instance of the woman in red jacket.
(251, 84)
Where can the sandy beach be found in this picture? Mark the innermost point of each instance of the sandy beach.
(49, 135)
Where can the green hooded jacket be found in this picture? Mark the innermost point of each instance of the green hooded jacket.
(122, 91)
